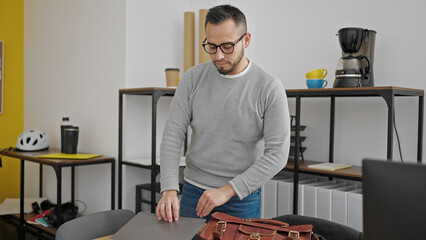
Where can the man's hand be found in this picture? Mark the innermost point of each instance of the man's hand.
(212, 198)
(168, 206)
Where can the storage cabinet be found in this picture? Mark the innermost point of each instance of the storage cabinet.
(353, 173)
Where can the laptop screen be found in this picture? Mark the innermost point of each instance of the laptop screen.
(394, 200)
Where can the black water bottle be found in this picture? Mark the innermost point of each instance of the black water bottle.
(64, 124)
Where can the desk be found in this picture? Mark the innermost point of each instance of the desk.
(104, 238)
(57, 165)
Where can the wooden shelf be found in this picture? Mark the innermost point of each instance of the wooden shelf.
(354, 92)
(55, 162)
(302, 127)
(148, 91)
(354, 172)
(51, 231)
(147, 162)
(315, 92)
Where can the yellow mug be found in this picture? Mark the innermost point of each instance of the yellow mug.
(316, 74)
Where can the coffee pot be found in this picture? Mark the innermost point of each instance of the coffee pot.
(355, 67)
(352, 71)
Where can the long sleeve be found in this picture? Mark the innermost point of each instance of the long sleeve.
(179, 117)
(276, 130)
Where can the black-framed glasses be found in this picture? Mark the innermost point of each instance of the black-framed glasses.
(226, 48)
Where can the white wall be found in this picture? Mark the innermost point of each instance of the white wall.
(73, 65)
(75, 50)
(302, 36)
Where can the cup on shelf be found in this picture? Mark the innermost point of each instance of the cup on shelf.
(172, 77)
(316, 74)
(316, 83)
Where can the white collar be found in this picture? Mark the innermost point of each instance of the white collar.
(238, 74)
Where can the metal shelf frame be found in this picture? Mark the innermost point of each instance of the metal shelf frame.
(387, 93)
(156, 94)
(57, 165)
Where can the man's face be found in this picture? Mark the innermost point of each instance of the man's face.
(227, 32)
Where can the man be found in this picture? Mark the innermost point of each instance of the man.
(240, 128)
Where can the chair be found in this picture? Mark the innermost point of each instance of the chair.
(94, 225)
(327, 229)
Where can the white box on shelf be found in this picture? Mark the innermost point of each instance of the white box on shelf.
(310, 202)
(339, 199)
(324, 200)
(355, 209)
(269, 196)
(285, 195)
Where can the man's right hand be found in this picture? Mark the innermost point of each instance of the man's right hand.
(168, 207)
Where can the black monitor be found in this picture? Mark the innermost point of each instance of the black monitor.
(394, 200)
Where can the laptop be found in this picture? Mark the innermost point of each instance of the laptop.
(146, 226)
(394, 200)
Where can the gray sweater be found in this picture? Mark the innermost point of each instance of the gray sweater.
(240, 130)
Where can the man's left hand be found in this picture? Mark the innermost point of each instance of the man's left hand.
(212, 198)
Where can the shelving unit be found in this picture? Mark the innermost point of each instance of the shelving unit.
(153, 163)
(353, 173)
(57, 164)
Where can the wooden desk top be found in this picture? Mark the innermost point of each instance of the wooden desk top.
(32, 157)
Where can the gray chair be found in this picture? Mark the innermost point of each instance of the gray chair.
(94, 225)
(326, 229)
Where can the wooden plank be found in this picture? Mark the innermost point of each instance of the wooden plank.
(49, 230)
(354, 171)
(359, 91)
(32, 157)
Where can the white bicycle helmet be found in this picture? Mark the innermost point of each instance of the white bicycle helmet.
(32, 140)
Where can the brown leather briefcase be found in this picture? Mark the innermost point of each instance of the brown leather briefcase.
(225, 227)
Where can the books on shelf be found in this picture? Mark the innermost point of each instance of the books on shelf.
(329, 166)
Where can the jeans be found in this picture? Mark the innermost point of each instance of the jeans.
(249, 207)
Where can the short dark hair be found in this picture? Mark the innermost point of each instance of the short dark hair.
(218, 14)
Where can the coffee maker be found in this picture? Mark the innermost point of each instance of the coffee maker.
(355, 67)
